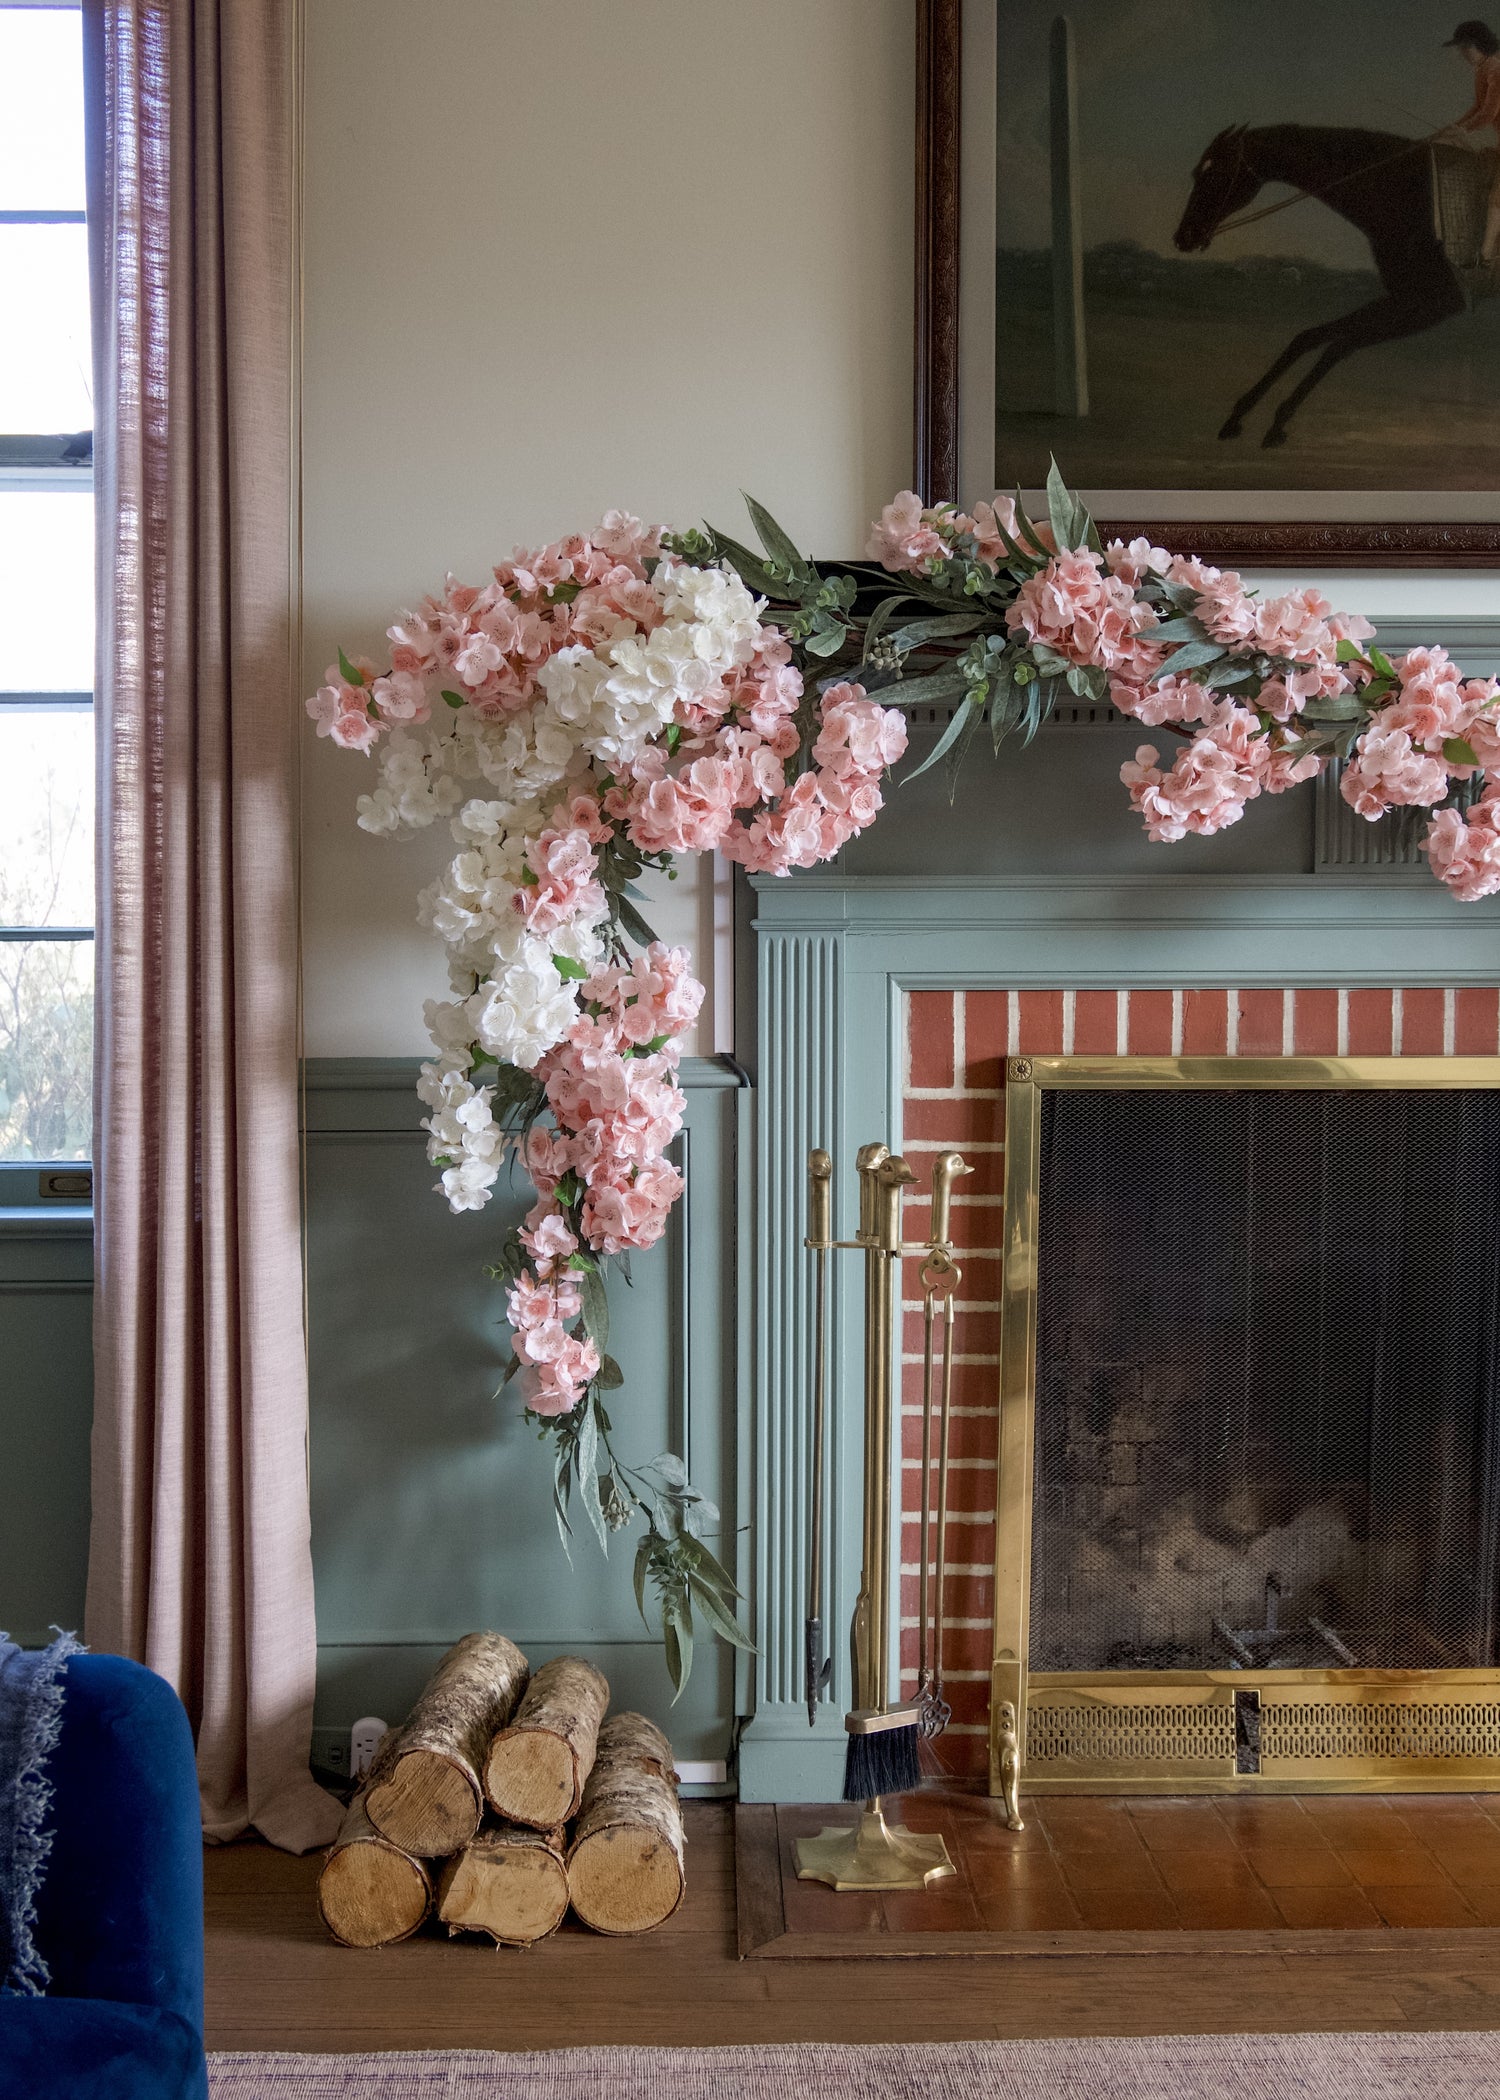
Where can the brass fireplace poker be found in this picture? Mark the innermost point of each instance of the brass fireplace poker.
(882, 1749)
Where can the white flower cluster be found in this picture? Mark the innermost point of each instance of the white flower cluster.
(595, 711)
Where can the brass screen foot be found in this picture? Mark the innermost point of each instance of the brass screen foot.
(873, 1854)
(1009, 1745)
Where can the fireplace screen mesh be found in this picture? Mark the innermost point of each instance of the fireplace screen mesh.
(1268, 1361)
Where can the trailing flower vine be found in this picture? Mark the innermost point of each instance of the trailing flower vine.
(612, 701)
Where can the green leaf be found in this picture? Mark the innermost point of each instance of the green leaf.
(673, 738)
(633, 923)
(928, 690)
(595, 1310)
(565, 966)
(777, 543)
(945, 742)
(1459, 751)
(1192, 656)
(1347, 652)
(1344, 707)
(1228, 673)
(677, 1637)
(711, 1568)
(749, 567)
(1382, 662)
(828, 643)
(723, 1622)
(453, 699)
(940, 627)
(586, 1463)
(881, 618)
(1184, 629)
(1060, 507)
(348, 672)
(610, 1377)
(1027, 532)
(642, 1561)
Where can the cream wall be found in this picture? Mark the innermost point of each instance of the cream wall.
(561, 255)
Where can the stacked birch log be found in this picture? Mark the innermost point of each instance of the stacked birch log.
(504, 1798)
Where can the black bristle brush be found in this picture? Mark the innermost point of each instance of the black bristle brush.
(881, 1754)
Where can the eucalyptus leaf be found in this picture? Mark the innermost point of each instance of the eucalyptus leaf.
(1192, 656)
(642, 1562)
(610, 1377)
(722, 1621)
(1342, 707)
(946, 741)
(586, 1465)
(1186, 628)
(940, 627)
(930, 689)
(826, 643)
(1060, 508)
(595, 1309)
(777, 543)
(633, 923)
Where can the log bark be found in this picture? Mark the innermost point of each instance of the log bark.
(625, 1866)
(510, 1881)
(425, 1792)
(536, 1768)
(370, 1892)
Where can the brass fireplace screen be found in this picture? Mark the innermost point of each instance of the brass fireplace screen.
(1248, 1510)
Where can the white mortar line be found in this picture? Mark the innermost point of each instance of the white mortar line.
(1288, 1023)
(1067, 1018)
(1122, 1024)
(1398, 1018)
(1013, 1024)
(1231, 1022)
(1177, 1023)
(1342, 1040)
(1450, 1022)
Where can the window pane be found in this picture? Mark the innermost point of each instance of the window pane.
(46, 379)
(46, 1049)
(41, 139)
(46, 591)
(46, 817)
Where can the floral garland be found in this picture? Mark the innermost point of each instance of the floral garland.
(619, 698)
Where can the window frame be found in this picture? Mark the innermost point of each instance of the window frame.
(36, 464)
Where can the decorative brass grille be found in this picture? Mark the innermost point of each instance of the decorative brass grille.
(1069, 1735)
(1323, 1731)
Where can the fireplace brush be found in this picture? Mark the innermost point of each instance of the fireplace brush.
(881, 1755)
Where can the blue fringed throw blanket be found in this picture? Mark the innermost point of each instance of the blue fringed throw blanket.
(31, 1704)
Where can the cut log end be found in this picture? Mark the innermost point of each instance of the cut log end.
(509, 1883)
(625, 1880)
(369, 1893)
(427, 1803)
(533, 1778)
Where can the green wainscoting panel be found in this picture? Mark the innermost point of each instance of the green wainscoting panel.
(46, 1411)
(431, 1497)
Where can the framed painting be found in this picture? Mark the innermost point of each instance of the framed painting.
(1232, 265)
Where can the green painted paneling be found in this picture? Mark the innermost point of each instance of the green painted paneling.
(46, 1394)
(431, 1497)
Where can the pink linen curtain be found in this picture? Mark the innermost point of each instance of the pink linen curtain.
(199, 1555)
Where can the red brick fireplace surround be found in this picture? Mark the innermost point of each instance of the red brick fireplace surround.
(956, 1045)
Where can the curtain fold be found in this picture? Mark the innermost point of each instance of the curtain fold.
(199, 1561)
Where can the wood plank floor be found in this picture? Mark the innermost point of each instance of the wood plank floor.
(276, 1981)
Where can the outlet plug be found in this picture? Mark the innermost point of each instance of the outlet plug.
(364, 1741)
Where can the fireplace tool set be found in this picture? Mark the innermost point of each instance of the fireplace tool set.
(882, 1753)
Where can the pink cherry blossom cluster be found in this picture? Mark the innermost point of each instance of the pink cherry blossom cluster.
(602, 1177)
(1428, 730)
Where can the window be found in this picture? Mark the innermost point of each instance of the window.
(46, 601)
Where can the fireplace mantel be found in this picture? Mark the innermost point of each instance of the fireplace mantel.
(935, 898)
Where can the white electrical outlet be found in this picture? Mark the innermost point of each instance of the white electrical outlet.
(364, 1741)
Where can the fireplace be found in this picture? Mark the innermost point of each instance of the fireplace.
(1248, 1506)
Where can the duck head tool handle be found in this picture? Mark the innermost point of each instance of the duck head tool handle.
(881, 1752)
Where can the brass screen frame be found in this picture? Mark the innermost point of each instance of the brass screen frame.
(1012, 1683)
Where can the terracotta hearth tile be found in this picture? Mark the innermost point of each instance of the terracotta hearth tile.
(1405, 1905)
(1476, 1021)
(1393, 1867)
(1328, 1909)
(1260, 1030)
(1468, 1862)
(950, 1121)
(1277, 1819)
(1226, 1910)
(1205, 1024)
(1128, 1910)
(1315, 1023)
(1298, 1866)
(1190, 1827)
(1040, 1033)
(1369, 1023)
(986, 1034)
(929, 1039)
(1084, 1812)
(994, 1873)
(1150, 1024)
(980, 1824)
(1096, 1024)
(1422, 1021)
(1030, 1910)
(947, 1906)
(1205, 1870)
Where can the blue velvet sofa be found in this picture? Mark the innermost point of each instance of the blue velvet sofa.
(120, 1914)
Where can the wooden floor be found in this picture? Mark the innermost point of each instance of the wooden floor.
(275, 1980)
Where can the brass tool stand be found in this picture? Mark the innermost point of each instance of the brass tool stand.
(875, 1854)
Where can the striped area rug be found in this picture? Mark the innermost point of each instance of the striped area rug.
(1165, 2067)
